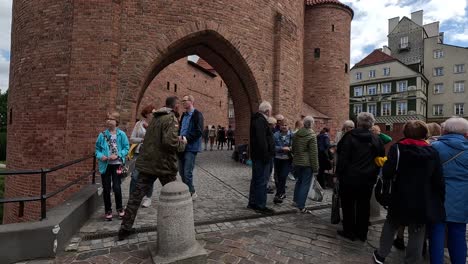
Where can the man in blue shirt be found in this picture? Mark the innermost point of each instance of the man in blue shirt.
(191, 127)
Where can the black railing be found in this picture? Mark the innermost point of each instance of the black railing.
(44, 195)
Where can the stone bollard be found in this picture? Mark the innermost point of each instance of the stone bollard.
(176, 230)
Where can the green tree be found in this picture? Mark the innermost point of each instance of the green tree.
(3, 110)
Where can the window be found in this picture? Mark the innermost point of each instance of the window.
(317, 53)
(372, 90)
(221, 83)
(386, 71)
(404, 42)
(459, 87)
(386, 109)
(438, 88)
(358, 75)
(333, 28)
(438, 109)
(438, 54)
(402, 86)
(402, 108)
(439, 71)
(459, 68)
(372, 74)
(346, 67)
(175, 88)
(386, 88)
(459, 109)
(357, 109)
(168, 86)
(358, 91)
(372, 108)
(231, 112)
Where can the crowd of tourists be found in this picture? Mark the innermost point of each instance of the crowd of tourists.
(427, 170)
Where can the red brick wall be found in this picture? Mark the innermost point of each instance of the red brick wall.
(210, 93)
(73, 61)
(326, 84)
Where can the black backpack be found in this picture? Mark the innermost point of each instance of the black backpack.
(383, 187)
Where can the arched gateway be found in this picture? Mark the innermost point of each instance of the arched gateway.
(72, 61)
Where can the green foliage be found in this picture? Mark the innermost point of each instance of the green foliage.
(3, 111)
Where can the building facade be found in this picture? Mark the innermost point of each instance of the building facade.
(387, 88)
(102, 57)
(445, 67)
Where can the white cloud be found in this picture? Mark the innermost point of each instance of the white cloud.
(5, 33)
(369, 28)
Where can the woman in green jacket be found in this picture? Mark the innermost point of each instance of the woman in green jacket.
(305, 161)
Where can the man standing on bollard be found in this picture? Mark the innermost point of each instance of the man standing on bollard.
(191, 127)
(157, 160)
(262, 151)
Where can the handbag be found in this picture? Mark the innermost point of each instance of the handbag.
(383, 187)
(335, 217)
(315, 191)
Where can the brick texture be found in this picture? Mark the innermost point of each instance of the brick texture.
(73, 61)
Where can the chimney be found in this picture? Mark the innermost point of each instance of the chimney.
(392, 23)
(417, 17)
(386, 50)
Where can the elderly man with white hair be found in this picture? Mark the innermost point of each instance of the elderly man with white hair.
(262, 150)
(357, 173)
(453, 152)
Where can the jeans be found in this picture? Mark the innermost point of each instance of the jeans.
(134, 180)
(282, 168)
(355, 203)
(456, 242)
(416, 236)
(301, 190)
(186, 165)
(259, 182)
(111, 180)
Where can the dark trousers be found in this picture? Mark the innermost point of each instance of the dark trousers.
(282, 169)
(456, 242)
(111, 181)
(230, 143)
(258, 184)
(355, 202)
(186, 166)
(144, 183)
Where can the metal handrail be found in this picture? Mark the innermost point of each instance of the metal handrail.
(44, 195)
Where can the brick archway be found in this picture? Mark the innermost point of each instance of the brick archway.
(228, 62)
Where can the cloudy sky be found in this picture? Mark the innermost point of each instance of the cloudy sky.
(369, 26)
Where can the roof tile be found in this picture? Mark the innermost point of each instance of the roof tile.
(376, 57)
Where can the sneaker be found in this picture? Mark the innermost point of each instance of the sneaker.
(146, 202)
(277, 200)
(121, 213)
(305, 211)
(194, 196)
(124, 233)
(108, 216)
(265, 211)
(291, 177)
(378, 259)
(399, 243)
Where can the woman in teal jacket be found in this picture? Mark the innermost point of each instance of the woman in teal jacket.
(111, 151)
(453, 153)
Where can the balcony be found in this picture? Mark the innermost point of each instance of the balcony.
(404, 46)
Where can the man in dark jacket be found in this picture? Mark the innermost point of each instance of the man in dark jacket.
(157, 160)
(191, 127)
(323, 143)
(357, 173)
(262, 151)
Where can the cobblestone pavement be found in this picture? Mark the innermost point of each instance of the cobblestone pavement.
(222, 186)
(292, 238)
(228, 231)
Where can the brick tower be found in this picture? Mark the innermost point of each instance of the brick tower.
(327, 31)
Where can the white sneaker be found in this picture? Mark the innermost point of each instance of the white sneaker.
(146, 202)
(194, 196)
(291, 177)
